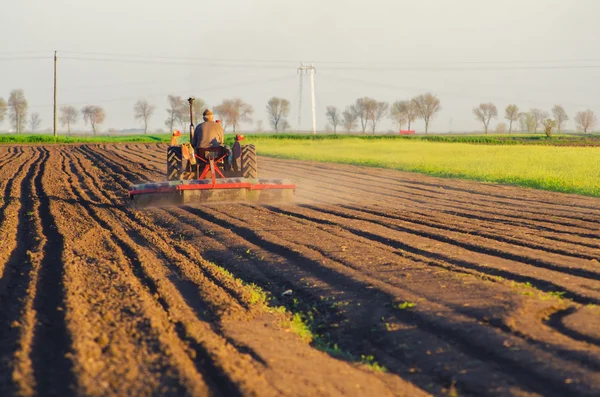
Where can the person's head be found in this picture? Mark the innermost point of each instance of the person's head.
(208, 115)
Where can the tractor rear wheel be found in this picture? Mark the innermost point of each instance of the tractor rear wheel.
(249, 162)
(174, 163)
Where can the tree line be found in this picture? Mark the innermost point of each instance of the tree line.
(367, 113)
(534, 119)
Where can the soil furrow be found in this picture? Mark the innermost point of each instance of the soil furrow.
(322, 272)
(510, 236)
(456, 287)
(215, 377)
(383, 193)
(568, 265)
(415, 183)
(51, 342)
(273, 380)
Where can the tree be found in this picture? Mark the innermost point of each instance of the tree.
(334, 117)
(511, 113)
(197, 109)
(174, 111)
(397, 114)
(142, 110)
(278, 109)
(427, 106)
(549, 125)
(95, 115)
(259, 126)
(68, 116)
(18, 109)
(586, 120)
(528, 122)
(364, 108)
(349, 118)
(3, 108)
(539, 116)
(560, 116)
(34, 121)
(233, 111)
(485, 113)
(501, 128)
(376, 113)
(404, 112)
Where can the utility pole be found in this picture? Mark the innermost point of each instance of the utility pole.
(55, 109)
(311, 70)
(300, 73)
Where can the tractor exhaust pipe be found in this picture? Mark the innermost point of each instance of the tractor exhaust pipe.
(191, 102)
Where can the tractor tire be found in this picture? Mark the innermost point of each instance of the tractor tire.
(249, 162)
(174, 163)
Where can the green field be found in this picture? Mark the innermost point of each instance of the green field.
(563, 169)
(47, 138)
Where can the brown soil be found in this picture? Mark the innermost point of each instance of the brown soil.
(455, 287)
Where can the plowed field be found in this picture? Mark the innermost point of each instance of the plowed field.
(455, 287)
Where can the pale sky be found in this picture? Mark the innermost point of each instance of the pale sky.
(535, 53)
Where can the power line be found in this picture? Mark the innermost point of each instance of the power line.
(373, 67)
(403, 62)
(118, 99)
(457, 94)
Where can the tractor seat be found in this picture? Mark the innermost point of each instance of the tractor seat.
(213, 152)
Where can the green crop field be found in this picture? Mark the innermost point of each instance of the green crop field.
(564, 169)
(47, 138)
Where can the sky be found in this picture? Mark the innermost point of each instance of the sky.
(534, 53)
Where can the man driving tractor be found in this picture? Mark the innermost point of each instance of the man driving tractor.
(208, 134)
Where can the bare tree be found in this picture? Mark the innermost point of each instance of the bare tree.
(364, 108)
(539, 116)
(95, 115)
(259, 126)
(349, 118)
(34, 121)
(376, 112)
(68, 116)
(485, 113)
(397, 114)
(174, 111)
(407, 111)
(586, 120)
(197, 109)
(511, 113)
(278, 109)
(18, 109)
(233, 111)
(427, 105)
(3, 108)
(560, 116)
(142, 110)
(334, 117)
(528, 122)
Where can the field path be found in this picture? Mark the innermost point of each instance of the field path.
(455, 287)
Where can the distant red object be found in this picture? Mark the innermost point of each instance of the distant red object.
(407, 132)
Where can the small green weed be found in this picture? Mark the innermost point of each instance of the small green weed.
(369, 362)
(405, 305)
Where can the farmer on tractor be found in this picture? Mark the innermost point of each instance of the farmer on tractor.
(208, 134)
